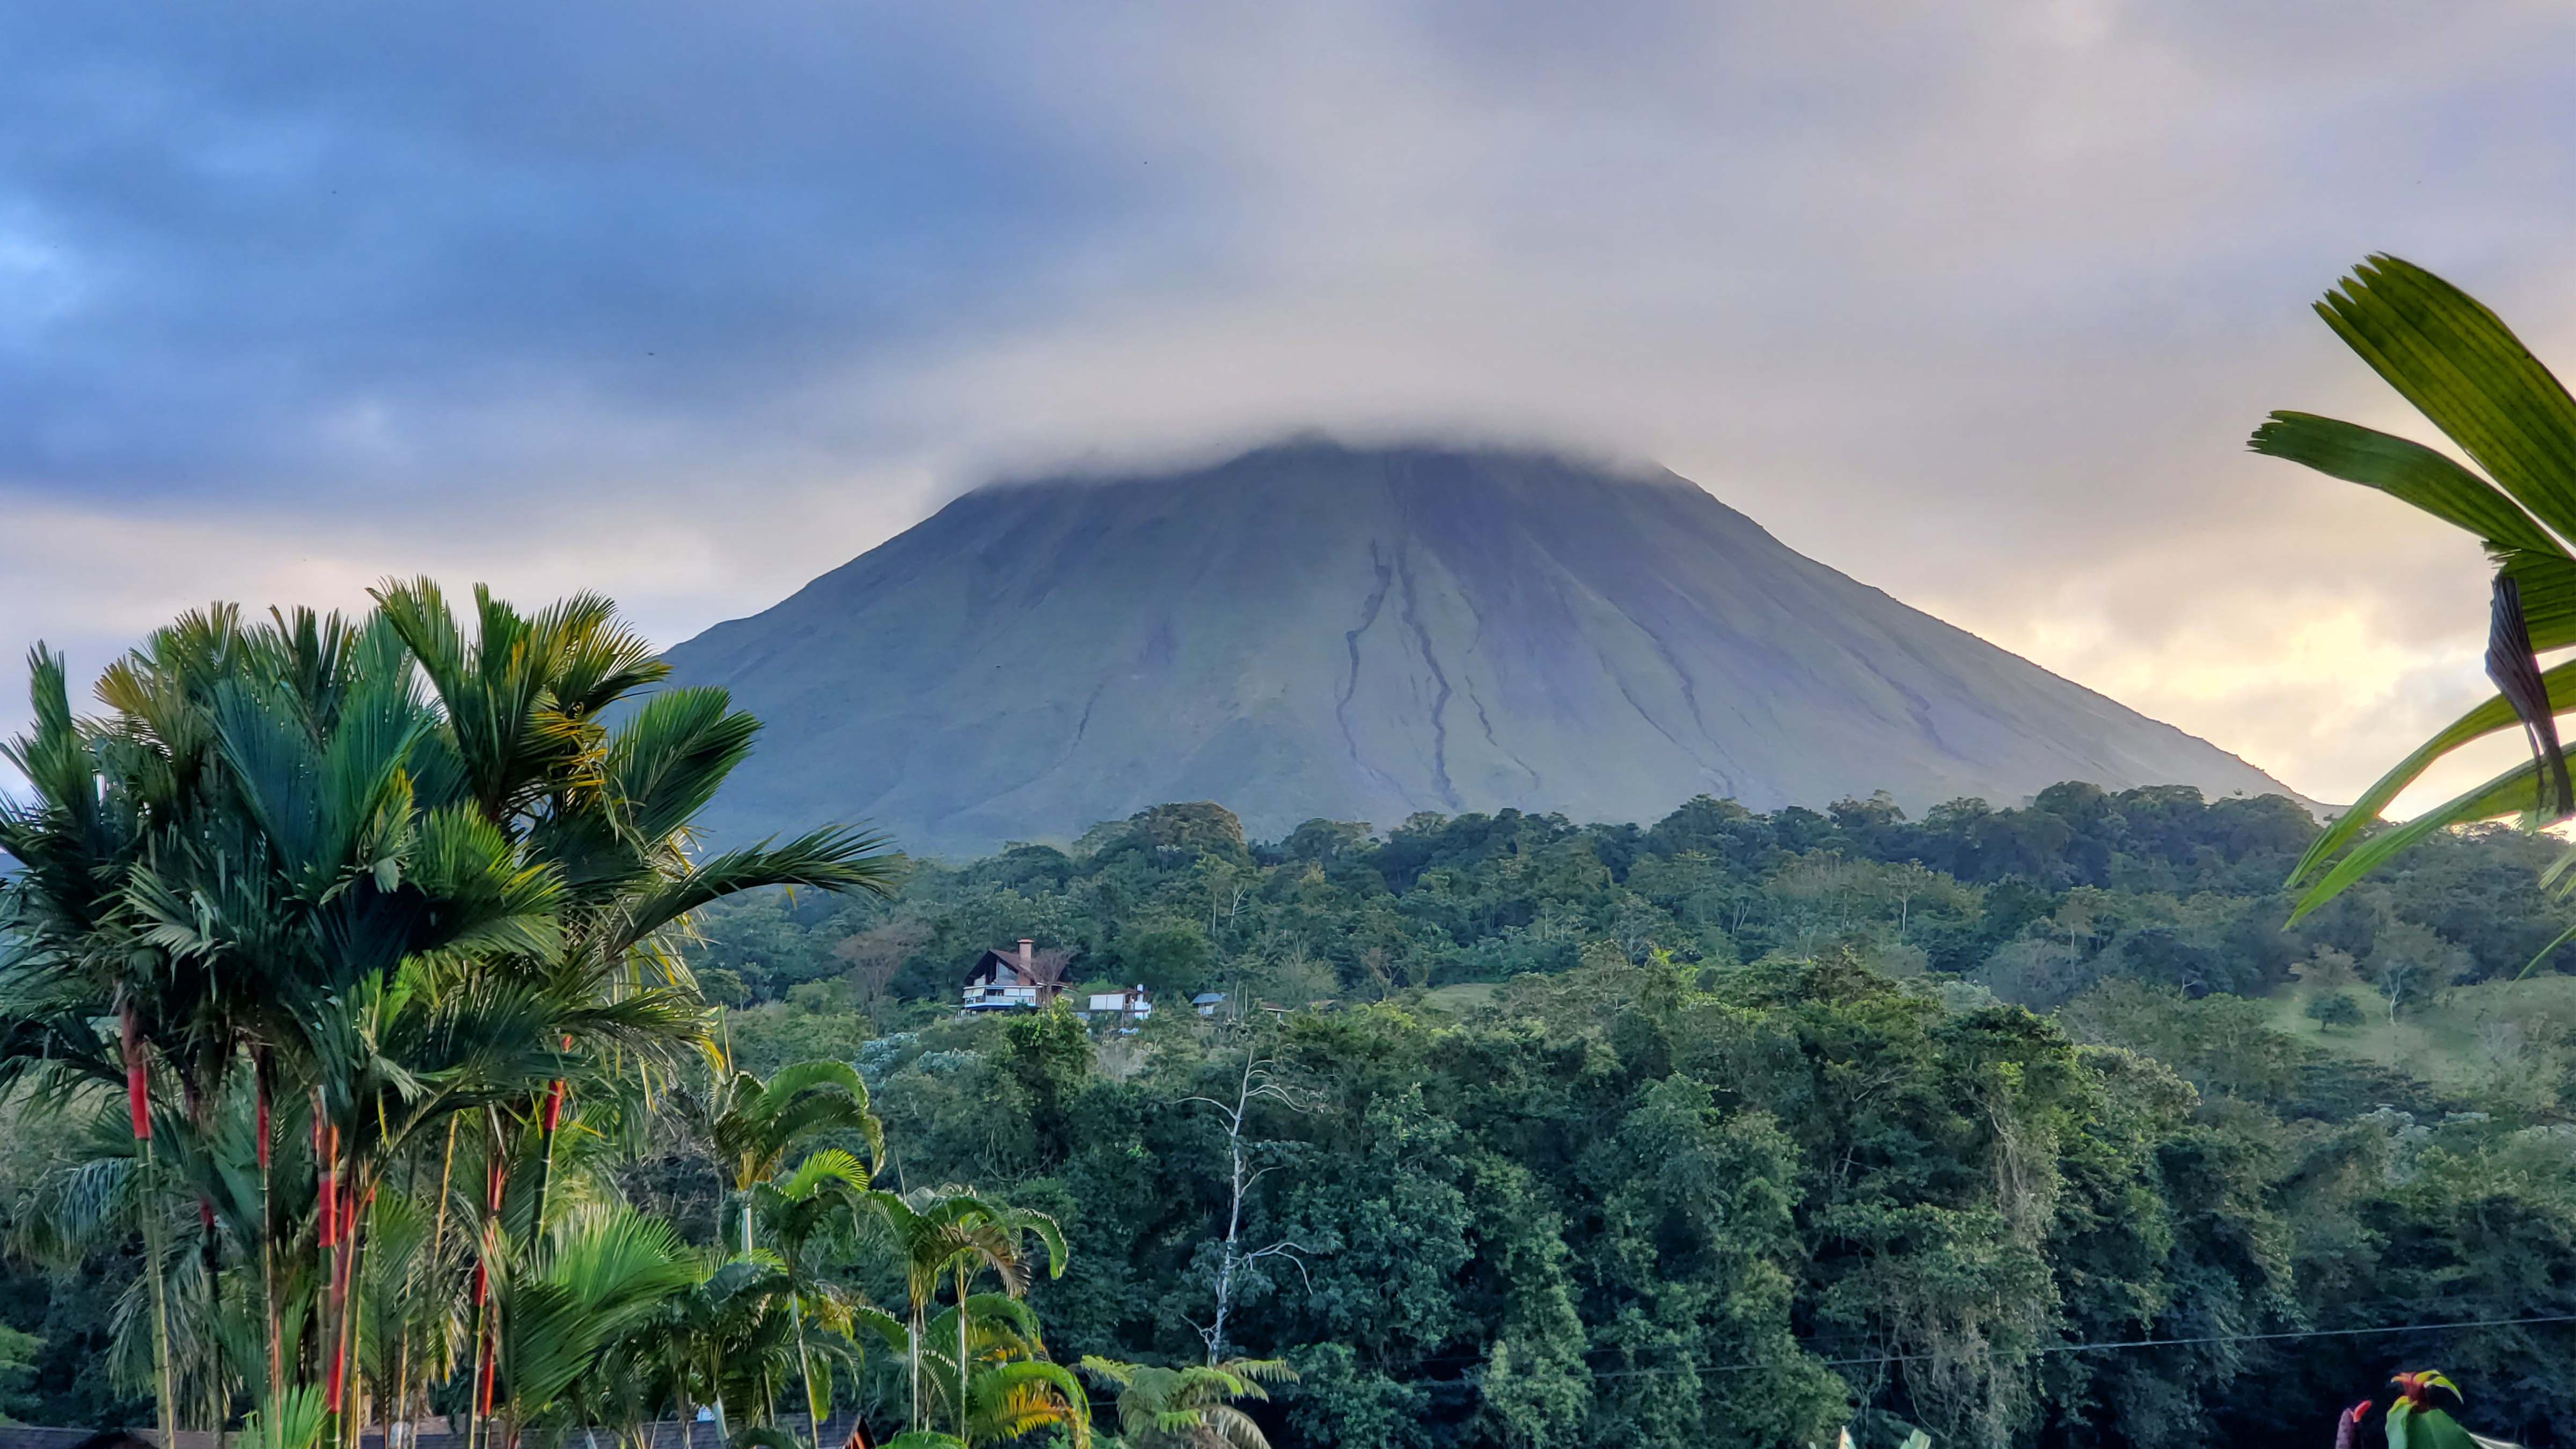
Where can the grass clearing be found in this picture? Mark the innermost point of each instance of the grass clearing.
(1462, 997)
(2464, 1037)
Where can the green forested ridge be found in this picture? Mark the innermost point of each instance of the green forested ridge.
(2036, 904)
(1748, 1125)
(1648, 1191)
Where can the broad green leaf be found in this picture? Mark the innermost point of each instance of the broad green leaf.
(2491, 717)
(2506, 794)
(2548, 584)
(2404, 470)
(2465, 370)
(2413, 1428)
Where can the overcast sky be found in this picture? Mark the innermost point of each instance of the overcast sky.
(690, 302)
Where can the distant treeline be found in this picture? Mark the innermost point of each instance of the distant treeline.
(2037, 903)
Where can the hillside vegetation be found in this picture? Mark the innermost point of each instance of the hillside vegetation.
(1626, 1136)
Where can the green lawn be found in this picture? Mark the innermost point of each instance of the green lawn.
(1464, 997)
(2459, 1038)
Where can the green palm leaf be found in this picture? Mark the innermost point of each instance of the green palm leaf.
(2465, 370)
(606, 1273)
(2473, 379)
(2503, 795)
(2405, 470)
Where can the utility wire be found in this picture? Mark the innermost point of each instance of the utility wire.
(2126, 1343)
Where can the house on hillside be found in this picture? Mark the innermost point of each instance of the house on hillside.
(1208, 1002)
(1022, 980)
(1130, 1006)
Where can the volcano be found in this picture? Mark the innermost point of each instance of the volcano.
(1360, 634)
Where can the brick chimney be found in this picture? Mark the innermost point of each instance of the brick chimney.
(1028, 953)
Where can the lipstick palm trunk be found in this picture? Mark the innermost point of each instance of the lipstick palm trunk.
(552, 1120)
(495, 1179)
(401, 1407)
(961, 1349)
(276, 1332)
(138, 1106)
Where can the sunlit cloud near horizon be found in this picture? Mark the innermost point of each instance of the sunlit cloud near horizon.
(690, 304)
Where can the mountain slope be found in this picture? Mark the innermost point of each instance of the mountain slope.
(1315, 630)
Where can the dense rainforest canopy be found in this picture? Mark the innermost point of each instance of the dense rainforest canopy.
(1734, 1127)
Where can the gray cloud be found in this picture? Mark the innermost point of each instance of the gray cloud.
(1974, 302)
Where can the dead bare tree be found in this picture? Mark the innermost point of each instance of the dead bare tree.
(1259, 1082)
(1046, 972)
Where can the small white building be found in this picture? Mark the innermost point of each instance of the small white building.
(1207, 1002)
(1130, 1005)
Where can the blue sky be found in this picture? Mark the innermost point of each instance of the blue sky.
(690, 302)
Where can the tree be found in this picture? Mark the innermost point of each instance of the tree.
(1010, 1389)
(2475, 381)
(876, 954)
(724, 1340)
(570, 1297)
(1191, 1407)
(610, 810)
(2408, 962)
(321, 902)
(1258, 1084)
(241, 862)
(752, 1126)
(17, 1371)
(950, 1233)
(819, 1202)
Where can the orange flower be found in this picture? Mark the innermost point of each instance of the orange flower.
(2417, 1388)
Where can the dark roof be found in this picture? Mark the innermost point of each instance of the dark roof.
(32, 1436)
(663, 1435)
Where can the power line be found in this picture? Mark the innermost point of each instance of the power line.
(2112, 1345)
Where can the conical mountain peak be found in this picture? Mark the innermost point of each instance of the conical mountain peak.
(1312, 629)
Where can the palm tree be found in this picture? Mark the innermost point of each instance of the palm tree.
(524, 706)
(1191, 1407)
(1009, 1387)
(723, 1341)
(820, 1201)
(954, 1233)
(107, 799)
(524, 709)
(399, 910)
(574, 1295)
(259, 864)
(2471, 378)
(752, 1126)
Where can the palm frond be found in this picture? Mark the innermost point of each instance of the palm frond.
(2510, 663)
(2465, 371)
(2493, 716)
(665, 764)
(2402, 469)
(835, 859)
(2503, 795)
